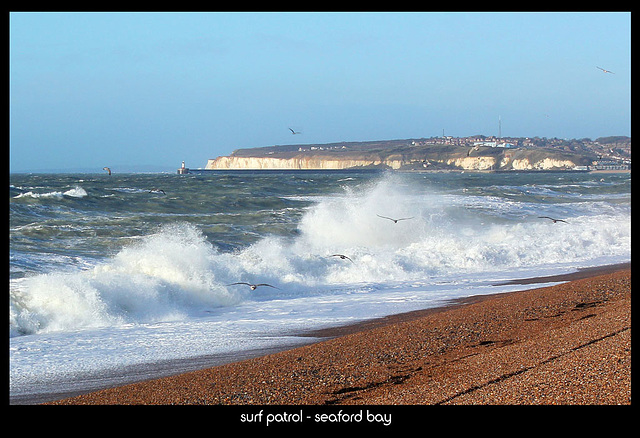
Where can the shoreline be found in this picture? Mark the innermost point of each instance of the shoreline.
(332, 332)
(376, 362)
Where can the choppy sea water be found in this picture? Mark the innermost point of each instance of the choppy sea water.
(114, 277)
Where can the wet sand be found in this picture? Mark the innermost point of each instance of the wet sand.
(564, 344)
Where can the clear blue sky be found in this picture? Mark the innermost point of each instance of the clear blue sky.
(89, 90)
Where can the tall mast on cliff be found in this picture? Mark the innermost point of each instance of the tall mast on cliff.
(499, 127)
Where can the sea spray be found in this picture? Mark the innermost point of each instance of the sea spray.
(161, 278)
(176, 270)
(445, 235)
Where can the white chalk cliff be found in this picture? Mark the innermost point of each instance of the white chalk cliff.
(310, 162)
(332, 163)
(395, 154)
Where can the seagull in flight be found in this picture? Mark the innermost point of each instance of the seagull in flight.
(554, 220)
(107, 169)
(253, 286)
(395, 220)
(154, 190)
(294, 132)
(606, 71)
(342, 256)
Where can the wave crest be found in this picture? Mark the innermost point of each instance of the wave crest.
(163, 277)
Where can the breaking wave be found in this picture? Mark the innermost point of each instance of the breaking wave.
(177, 272)
(76, 192)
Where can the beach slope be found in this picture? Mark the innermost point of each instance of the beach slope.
(564, 344)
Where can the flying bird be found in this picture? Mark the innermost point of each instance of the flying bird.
(606, 71)
(154, 190)
(253, 286)
(342, 256)
(554, 220)
(395, 220)
(294, 132)
(107, 169)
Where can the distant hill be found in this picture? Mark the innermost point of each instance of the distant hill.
(614, 139)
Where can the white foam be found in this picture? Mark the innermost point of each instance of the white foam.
(76, 192)
(175, 272)
(161, 278)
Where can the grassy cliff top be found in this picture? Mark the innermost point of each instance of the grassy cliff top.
(411, 150)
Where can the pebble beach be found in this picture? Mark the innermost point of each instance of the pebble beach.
(566, 344)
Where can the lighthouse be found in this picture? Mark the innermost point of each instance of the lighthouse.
(183, 170)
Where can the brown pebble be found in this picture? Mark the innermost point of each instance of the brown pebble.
(565, 344)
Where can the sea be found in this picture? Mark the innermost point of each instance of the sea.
(124, 277)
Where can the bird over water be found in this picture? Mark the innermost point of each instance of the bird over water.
(395, 220)
(342, 256)
(253, 286)
(554, 220)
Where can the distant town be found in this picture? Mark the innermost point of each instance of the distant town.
(612, 152)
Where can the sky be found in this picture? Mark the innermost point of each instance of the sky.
(149, 90)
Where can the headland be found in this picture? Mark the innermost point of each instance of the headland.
(477, 153)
